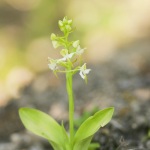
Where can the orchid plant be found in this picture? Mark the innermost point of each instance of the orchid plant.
(44, 125)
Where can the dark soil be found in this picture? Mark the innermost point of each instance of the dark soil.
(123, 82)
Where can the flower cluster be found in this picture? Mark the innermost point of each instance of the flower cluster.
(70, 53)
(65, 25)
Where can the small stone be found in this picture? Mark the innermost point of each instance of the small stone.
(143, 94)
(8, 146)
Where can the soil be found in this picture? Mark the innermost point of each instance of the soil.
(123, 82)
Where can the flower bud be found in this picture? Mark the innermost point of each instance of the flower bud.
(62, 29)
(69, 22)
(65, 20)
(68, 27)
(63, 52)
(75, 44)
(55, 44)
(53, 37)
(60, 23)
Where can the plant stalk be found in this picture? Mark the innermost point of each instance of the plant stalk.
(71, 106)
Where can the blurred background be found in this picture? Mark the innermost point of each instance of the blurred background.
(103, 27)
(116, 34)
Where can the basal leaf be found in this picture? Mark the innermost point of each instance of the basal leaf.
(83, 144)
(42, 125)
(93, 123)
(56, 146)
(94, 146)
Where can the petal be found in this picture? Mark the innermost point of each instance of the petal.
(52, 66)
(62, 59)
(80, 51)
(82, 75)
(87, 71)
(70, 55)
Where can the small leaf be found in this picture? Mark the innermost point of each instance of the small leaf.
(93, 123)
(42, 125)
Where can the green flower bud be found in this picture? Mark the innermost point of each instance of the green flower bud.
(55, 44)
(63, 52)
(76, 44)
(69, 22)
(65, 20)
(60, 23)
(68, 27)
(62, 29)
(53, 37)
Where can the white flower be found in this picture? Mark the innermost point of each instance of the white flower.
(83, 71)
(53, 65)
(79, 51)
(66, 55)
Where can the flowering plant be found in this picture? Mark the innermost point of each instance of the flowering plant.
(43, 124)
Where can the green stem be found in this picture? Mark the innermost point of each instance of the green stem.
(71, 106)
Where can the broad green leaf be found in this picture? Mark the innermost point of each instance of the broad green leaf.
(56, 146)
(42, 125)
(94, 146)
(93, 123)
(83, 144)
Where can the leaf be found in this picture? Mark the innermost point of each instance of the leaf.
(83, 144)
(42, 125)
(93, 123)
(94, 146)
(66, 138)
(56, 146)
